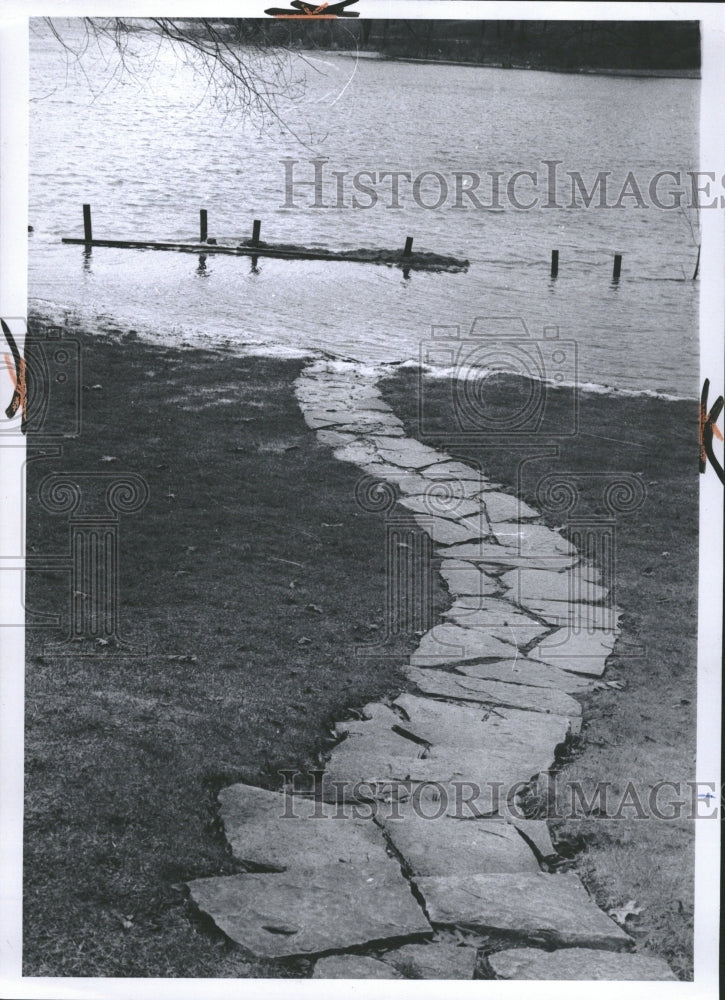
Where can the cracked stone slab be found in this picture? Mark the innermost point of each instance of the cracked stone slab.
(442, 723)
(375, 736)
(283, 831)
(433, 960)
(585, 964)
(434, 483)
(442, 845)
(457, 472)
(335, 439)
(406, 452)
(505, 555)
(358, 452)
(453, 644)
(582, 617)
(353, 967)
(450, 506)
(577, 652)
(504, 507)
(500, 619)
(463, 579)
(305, 912)
(537, 831)
(443, 531)
(525, 671)
(407, 482)
(531, 539)
(485, 692)
(364, 777)
(552, 909)
(532, 584)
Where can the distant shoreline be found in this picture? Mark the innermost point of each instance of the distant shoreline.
(665, 74)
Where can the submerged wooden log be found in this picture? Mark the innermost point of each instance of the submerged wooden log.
(418, 260)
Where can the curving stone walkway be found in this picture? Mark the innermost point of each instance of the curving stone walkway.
(412, 854)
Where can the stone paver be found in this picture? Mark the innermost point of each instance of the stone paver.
(305, 912)
(552, 909)
(580, 652)
(585, 964)
(526, 671)
(442, 723)
(582, 617)
(534, 584)
(443, 845)
(353, 967)
(504, 507)
(465, 579)
(282, 832)
(531, 539)
(447, 506)
(433, 960)
(454, 644)
(501, 619)
(492, 554)
(454, 685)
(447, 532)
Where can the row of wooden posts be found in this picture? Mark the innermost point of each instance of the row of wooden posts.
(257, 226)
(204, 230)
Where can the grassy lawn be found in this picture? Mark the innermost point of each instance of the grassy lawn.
(644, 732)
(252, 575)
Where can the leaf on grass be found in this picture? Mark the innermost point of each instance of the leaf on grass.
(108, 458)
(621, 913)
(314, 607)
(617, 685)
(304, 641)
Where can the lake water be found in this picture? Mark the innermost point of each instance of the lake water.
(148, 151)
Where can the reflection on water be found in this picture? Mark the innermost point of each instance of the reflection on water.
(147, 154)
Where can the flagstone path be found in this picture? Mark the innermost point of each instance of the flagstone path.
(412, 856)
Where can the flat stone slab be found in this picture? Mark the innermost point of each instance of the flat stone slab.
(531, 539)
(442, 505)
(458, 472)
(443, 723)
(282, 832)
(443, 845)
(582, 617)
(406, 452)
(584, 964)
(501, 619)
(525, 671)
(443, 531)
(370, 776)
(490, 553)
(456, 685)
(464, 579)
(454, 644)
(551, 909)
(433, 960)
(353, 967)
(504, 507)
(578, 652)
(435, 481)
(308, 911)
(407, 482)
(537, 831)
(536, 584)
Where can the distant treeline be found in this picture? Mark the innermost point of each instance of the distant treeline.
(563, 45)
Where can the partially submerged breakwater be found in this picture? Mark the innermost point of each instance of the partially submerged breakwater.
(404, 257)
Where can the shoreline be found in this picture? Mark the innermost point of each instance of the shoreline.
(51, 312)
(659, 74)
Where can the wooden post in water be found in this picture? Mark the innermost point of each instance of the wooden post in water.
(203, 232)
(554, 263)
(617, 267)
(408, 246)
(256, 226)
(87, 228)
